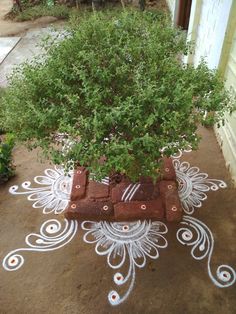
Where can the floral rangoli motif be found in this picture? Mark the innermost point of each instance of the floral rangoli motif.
(193, 185)
(53, 193)
(134, 241)
(121, 243)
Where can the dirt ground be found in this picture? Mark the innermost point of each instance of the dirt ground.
(10, 28)
(76, 280)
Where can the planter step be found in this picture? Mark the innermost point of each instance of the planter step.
(125, 201)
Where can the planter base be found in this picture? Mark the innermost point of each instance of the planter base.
(125, 201)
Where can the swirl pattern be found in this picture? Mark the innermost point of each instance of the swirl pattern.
(197, 235)
(52, 236)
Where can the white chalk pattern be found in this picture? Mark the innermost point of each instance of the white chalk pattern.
(197, 235)
(52, 236)
(193, 185)
(134, 241)
(130, 192)
(122, 242)
(53, 195)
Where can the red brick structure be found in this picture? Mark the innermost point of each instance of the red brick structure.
(125, 201)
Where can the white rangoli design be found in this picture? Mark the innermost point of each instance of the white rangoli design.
(193, 185)
(130, 242)
(121, 241)
(197, 235)
(52, 236)
(53, 195)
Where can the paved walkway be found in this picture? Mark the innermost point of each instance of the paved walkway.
(27, 47)
(19, 40)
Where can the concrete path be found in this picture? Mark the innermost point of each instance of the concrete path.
(26, 49)
(14, 51)
(6, 45)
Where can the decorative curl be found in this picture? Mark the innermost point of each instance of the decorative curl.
(52, 237)
(200, 237)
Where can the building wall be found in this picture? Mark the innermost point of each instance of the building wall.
(211, 35)
(227, 133)
(172, 7)
(211, 29)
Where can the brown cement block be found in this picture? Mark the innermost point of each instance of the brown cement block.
(173, 207)
(139, 210)
(170, 198)
(167, 170)
(167, 187)
(118, 190)
(86, 209)
(134, 192)
(97, 190)
(79, 183)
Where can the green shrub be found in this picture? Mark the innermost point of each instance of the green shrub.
(2, 92)
(117, 85)
(34, 12)
(6, 167)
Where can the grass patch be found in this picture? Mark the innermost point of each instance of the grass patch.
(32, 13)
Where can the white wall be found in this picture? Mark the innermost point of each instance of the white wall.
(172, 4)
(227, 134)
(211, 30)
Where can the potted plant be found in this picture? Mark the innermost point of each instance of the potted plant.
(118, 85)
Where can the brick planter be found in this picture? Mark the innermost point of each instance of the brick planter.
(125, 201)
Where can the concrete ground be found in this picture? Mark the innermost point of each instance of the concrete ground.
(74, 279)
(27, 48)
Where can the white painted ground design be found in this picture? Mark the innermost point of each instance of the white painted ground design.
(129, 243)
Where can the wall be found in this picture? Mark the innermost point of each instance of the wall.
(227, 134)
(172, 4)
(212, 26)
(211, 29)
